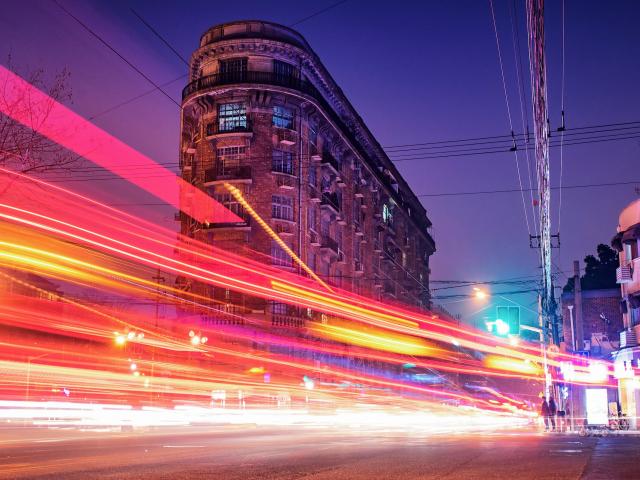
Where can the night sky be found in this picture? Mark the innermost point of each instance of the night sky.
(416, 72)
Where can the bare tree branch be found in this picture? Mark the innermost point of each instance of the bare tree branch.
(21, 148)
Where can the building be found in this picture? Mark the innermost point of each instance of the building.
(601, 321)
(263, 114)
(626, 242)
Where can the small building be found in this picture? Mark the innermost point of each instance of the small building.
(601, 321)
(626, 242)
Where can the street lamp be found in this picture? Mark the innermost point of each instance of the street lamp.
(479, 294)
(197, 338)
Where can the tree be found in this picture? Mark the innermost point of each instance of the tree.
(600, 272)
(23, 150)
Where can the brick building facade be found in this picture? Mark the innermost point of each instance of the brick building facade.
(262, 113)
(600, 335)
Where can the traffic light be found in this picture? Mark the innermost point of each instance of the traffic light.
(510, 315)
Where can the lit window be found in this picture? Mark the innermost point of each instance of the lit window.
(282, 117)
(232, 117)
(282, 162)
(387, 214)
(282, 207)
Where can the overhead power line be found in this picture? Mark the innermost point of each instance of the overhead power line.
(319, 12)
(122, 57)
(162, 39)
(514, 149)
(514, 190)
(520, 136)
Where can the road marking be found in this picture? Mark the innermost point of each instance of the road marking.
(184, 446)
(565, 451)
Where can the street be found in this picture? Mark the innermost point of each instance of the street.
(246, 452)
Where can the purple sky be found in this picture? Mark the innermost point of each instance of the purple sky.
(416, 72)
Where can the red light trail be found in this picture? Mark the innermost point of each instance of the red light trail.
(93, 351)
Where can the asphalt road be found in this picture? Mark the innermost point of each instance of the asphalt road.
(244, 453)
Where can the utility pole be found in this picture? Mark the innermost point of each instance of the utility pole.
(535, 29)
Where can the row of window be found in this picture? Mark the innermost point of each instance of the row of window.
(232, 117)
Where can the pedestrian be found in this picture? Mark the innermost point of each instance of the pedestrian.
(544, 413)
(553, 409)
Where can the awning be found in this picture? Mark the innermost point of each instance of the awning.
(634, 301)
(616, 242)
(631, 234)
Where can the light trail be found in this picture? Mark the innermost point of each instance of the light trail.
(89, 351)
(78, 135)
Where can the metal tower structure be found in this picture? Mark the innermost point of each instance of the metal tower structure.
(535, 27)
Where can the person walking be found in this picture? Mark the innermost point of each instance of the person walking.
(553, 409)
(544, 413)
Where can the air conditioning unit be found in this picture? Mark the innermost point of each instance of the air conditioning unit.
(624, 274)
(628, 338)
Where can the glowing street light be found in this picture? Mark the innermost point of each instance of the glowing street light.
(479, 294)
(120, 339)
(197, 338)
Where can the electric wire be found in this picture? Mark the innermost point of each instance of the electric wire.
(116, 52)
(515, 39)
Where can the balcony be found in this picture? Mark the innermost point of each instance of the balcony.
(243, 128)
(329, 247)
(314, 154)
(231, 174)
(314, 238)
(331, 202)
(278, 320)
(314, 196)
(286, 137)
(284, 229)
(329, 162)
(624, 274)
(244, 225)
(268, 78)
(286, 182)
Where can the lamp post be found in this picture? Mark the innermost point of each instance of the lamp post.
(573, 333)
